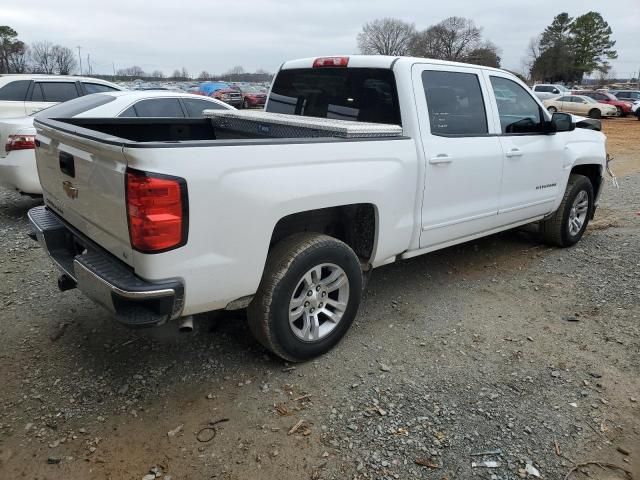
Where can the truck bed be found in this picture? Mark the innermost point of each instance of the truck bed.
(221, 125)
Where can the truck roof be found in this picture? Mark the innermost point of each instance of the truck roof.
(378, 61)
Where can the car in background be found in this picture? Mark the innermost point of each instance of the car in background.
(623, 107)
(17, 135)
(630, 96)
(580, 105)
(22, 95)
(252, 96)
(549, 90)
(229, 95)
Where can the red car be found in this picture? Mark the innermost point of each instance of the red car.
(253, 97)
(623, 107)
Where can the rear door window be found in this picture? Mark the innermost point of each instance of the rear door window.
(58, 91)
(15, 91)
(97, 88)
(158, 107)
(195, 106)
(455, 103)
(357, 94)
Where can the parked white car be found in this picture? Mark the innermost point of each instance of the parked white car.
(17, 135)
(545, 91)
(286, 211)
(24, 94)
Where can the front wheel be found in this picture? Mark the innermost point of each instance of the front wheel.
(552, 110)
(595, 113)
(308, 296)
(567, 225)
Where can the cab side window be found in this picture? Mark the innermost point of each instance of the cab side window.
(519, 112)
(455, 103)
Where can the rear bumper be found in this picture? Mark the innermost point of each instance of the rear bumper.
(103, 278)
(18, 171)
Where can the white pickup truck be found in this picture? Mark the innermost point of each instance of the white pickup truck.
(357, 162)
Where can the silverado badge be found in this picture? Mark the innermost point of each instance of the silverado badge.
(70, 190)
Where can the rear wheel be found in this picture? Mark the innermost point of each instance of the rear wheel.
(245, 104)
(595, 113)
(619, 112)
(308, 296)
(568, 223)
(552, 109)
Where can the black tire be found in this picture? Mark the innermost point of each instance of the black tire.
(619, 112)
(555, 230)
(595, 113)
(286, 265)
(552, 110)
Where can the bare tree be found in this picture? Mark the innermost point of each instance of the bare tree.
(184, 74)
(63, 59)
(237, 70)
(487, 54)
(157, 74)
(134, 71)
(452, 39)
(175, 74)
(386, 36)
(18, 58)
(42, 57)
(204, 75)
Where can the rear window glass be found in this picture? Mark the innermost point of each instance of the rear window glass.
(357, 94)
(76, 106)
(59, 91)
(16, 90)
(98, 87)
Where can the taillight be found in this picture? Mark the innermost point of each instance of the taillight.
(331, 62)
(157, 211)
(20, 142)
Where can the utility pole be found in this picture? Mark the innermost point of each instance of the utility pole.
(114, 70)
(89, 64)
(80, 58)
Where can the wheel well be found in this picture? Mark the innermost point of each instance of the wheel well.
(593, 173)
(354, 224)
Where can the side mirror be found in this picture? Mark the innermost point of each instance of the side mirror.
(555, 90)
(561, 122)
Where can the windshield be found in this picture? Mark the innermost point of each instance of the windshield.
(357, 94)
(562, 89)
(589, 99)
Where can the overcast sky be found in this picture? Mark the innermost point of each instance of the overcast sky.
(215, 35)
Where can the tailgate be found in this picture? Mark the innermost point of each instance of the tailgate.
(83, 181)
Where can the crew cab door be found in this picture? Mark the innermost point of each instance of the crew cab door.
(534, 161)
(463, 160)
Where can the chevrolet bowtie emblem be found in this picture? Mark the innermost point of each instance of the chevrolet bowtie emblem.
(70, 190)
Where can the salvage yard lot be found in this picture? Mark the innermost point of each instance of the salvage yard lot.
(501, 345)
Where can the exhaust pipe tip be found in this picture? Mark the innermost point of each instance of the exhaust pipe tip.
(65, 282)
(186, 324)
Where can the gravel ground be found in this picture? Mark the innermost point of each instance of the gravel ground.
(501, 350)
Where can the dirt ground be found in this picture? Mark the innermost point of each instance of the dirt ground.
(500, 350)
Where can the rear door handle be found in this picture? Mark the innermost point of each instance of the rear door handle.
(514, 152)
(440, 159)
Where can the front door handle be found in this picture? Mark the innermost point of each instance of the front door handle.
(514, 152)
(440, 159)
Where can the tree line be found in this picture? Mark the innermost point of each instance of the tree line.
(566, 51)
(570, 48)
(39, 57)
(455, 38)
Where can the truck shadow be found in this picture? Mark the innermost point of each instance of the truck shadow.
(223, 338)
